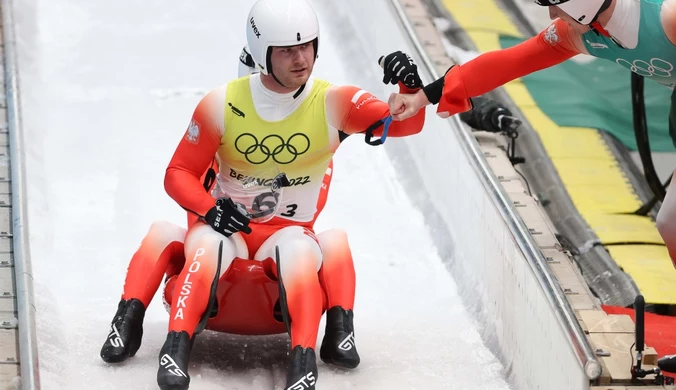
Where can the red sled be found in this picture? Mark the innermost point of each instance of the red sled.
(247, 301)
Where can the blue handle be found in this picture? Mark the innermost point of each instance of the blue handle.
(387, 121)
(369, 132)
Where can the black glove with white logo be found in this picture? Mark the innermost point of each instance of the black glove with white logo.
(226, 219)
(398, 66)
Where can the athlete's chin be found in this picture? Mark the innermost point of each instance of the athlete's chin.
(298, 78)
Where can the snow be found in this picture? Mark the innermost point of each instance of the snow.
(107, 90)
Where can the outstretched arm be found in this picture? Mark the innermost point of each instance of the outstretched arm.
(353, 110)
(491, 70)
(194, 155)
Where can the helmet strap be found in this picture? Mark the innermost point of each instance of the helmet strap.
(276, 79)
(268, 61)
(300, 90)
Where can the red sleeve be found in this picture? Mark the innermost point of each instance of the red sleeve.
(495, 68)
(194, 155)
(354, 110)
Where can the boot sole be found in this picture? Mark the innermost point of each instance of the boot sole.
(340, 363)
(174, 387)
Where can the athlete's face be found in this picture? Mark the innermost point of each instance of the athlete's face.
(556, 12)
(293, 64)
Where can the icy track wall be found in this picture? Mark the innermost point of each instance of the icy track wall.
(25, 305)
(493, 256)
(496, 261)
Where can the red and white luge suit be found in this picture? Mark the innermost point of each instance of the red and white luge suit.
(245, 131)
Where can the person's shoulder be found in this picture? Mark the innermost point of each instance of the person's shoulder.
(346, 91)
(219, 92)
(319, 83)
(216, 93)
(219, 89)
(211, 102)
(559, 34)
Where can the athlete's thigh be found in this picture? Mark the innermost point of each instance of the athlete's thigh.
(202, 244)
(296, 245)
(166, 239)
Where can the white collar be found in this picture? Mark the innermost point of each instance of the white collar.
(624, 23)
(276, 96)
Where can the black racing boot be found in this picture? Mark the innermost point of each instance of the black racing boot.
(302, 371)
(126, 332)
(174, 357)
(338, 346)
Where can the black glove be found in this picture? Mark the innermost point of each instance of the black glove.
(398, 66)
(486, 116)
(226, 219)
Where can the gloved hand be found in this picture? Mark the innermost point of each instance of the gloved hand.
(398, 66)
(486, 116)
(226, 219)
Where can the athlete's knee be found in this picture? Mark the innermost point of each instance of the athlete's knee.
(662, 222)
(162, 245)
(666, 225)
(666, 218)
(333, 240)
(335, 248)
(162, 233)
(203, 245)
(302, 250)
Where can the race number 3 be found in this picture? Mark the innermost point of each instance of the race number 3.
(291, 210)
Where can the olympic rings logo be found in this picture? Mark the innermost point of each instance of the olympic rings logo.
(273, 145)
(656, 67)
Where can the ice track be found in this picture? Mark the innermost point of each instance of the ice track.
(107, 91)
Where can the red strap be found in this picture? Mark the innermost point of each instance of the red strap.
(597, 26)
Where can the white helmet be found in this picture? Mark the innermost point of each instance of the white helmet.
(584, 11)
(279, 23)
